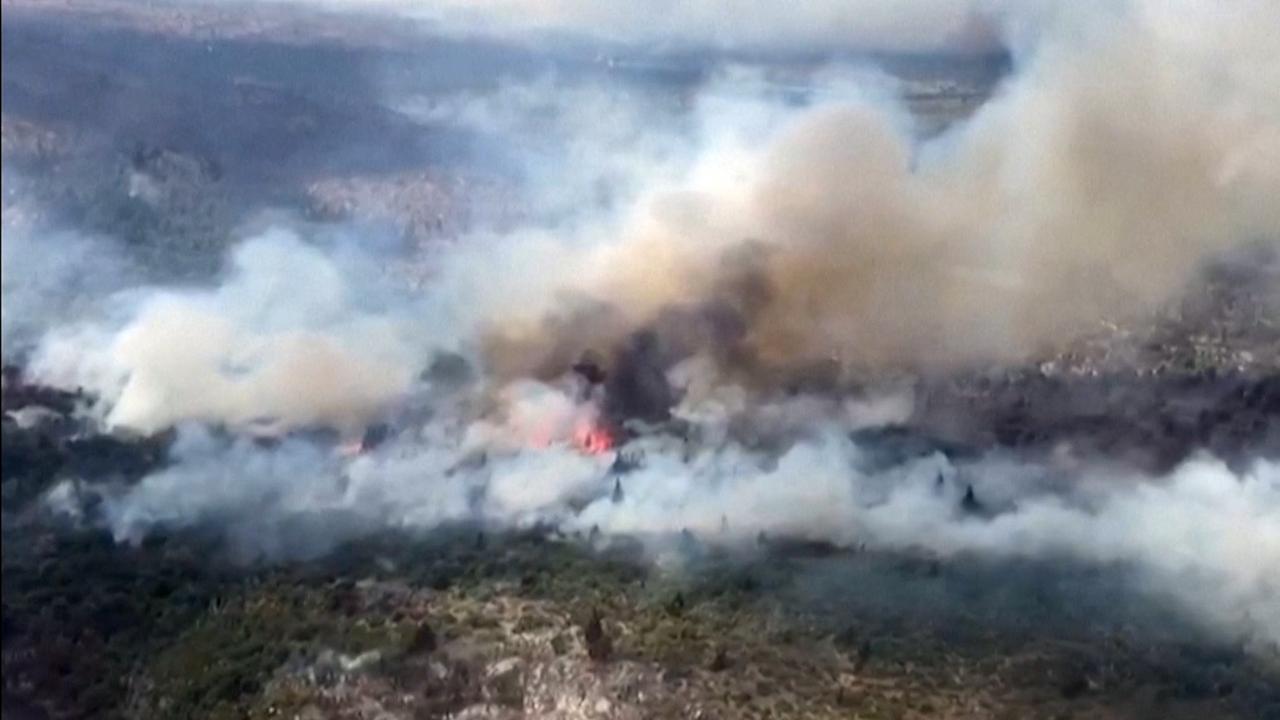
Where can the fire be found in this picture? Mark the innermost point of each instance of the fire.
(537, 415)
(593, 439)
(587, 437)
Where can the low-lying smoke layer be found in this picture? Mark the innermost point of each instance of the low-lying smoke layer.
(1204, 538)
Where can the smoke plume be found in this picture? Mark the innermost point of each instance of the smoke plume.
(1122, 153)
(1203, 537)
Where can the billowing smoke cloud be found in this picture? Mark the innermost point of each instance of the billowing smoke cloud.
(1125, 150)
(829, 233)
(291, 339)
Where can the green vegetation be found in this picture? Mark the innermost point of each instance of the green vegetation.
(427, 627)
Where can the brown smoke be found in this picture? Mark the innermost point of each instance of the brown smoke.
(1122, 153)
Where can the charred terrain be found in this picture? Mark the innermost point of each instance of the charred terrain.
(171, 132)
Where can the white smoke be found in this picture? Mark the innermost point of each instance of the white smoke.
(1203, 537)
(575, 145)
(516, 469)
(51, 277)
(290, 340)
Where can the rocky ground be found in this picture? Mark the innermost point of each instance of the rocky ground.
(529, 626)
(1201, 375)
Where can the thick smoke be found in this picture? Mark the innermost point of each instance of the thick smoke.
(294, 337)
(1203, 537)
(731, 253)
(1124, 151)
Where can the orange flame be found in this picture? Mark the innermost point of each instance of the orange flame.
(593, 439)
